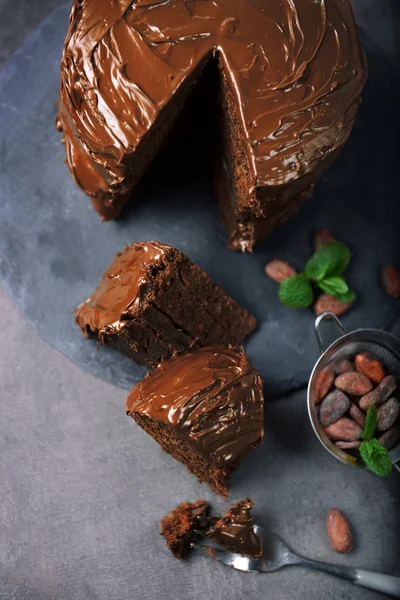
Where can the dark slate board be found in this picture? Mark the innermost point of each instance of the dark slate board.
(53, 247)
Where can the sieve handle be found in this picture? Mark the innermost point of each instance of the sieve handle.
(320, 318)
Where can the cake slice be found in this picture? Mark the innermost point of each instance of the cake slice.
(179, 526)
(235, 531)
(154, 302)
(205, 409)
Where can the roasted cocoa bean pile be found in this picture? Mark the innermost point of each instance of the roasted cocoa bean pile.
(344, 391)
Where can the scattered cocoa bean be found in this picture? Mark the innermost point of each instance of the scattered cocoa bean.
(355, 384)
(339, 531)
(343, 365)
(321, 238)
(380, 393)
(327, 302)
(369, 366)
(279, 270)
(333, 406)
(391, 281)
(323, 384)
(348, 445)
(357, 415)
(344, 430)
(390, 438)
(388, 414)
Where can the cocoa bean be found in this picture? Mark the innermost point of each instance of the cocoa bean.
(339, 531)
(388, 414)
(357, 415)
(369, 366)
(391, 281)
(327, 302)
(321, 238)
(380, 393)
(344, 365)
(390, 438)
(323, 384)
(348, 445)
(333, 406)
(355, 384)
(344, 430)
(279, 270)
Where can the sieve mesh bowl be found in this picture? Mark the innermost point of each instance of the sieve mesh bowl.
(381, 344)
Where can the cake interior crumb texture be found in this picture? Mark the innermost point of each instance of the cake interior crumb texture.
(178, 527)
(153, 302)
(235, 531)
(290, 77)
(205, 409)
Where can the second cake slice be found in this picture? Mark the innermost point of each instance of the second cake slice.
(154, 302)
(206, 409)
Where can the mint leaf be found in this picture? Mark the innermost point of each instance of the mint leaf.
(371, 421)
(348, 298)
(376, 457)
(296, 292)
(334, 285)
(329, 261)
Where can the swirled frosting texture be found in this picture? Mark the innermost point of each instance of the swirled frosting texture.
(121, 289)
(296, 68)
(212, 398)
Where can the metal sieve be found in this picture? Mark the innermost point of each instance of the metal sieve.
(382, 345)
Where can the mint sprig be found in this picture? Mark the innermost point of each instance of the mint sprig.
(323, 271)
(376, 457)
(296, 292)
(329, 261)
(371, 421)
(334, 285)
(348, 298)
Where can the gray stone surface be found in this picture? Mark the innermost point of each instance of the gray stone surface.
(82, 488)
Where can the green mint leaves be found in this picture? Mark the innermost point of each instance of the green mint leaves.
(371, 421)
(323, 271)
(296, 292)
(329, 261)
(376, 457)
(372, 452)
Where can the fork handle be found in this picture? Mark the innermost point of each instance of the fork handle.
(387, 584)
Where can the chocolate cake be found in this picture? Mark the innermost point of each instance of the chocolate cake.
(154, 302)
(205, 409)
(179, 526)
(235, 531)
(290, 77)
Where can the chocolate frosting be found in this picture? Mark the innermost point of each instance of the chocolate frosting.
(295, 67)
(212, 397)
(121, 289)
(235, 531)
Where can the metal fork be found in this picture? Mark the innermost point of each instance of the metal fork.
(277, 555)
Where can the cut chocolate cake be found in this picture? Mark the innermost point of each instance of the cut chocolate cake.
(179, 526)
(153, 302)
(291, 74)
(205, 409)
(235, 531)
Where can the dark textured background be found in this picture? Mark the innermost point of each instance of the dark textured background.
(82, 488)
